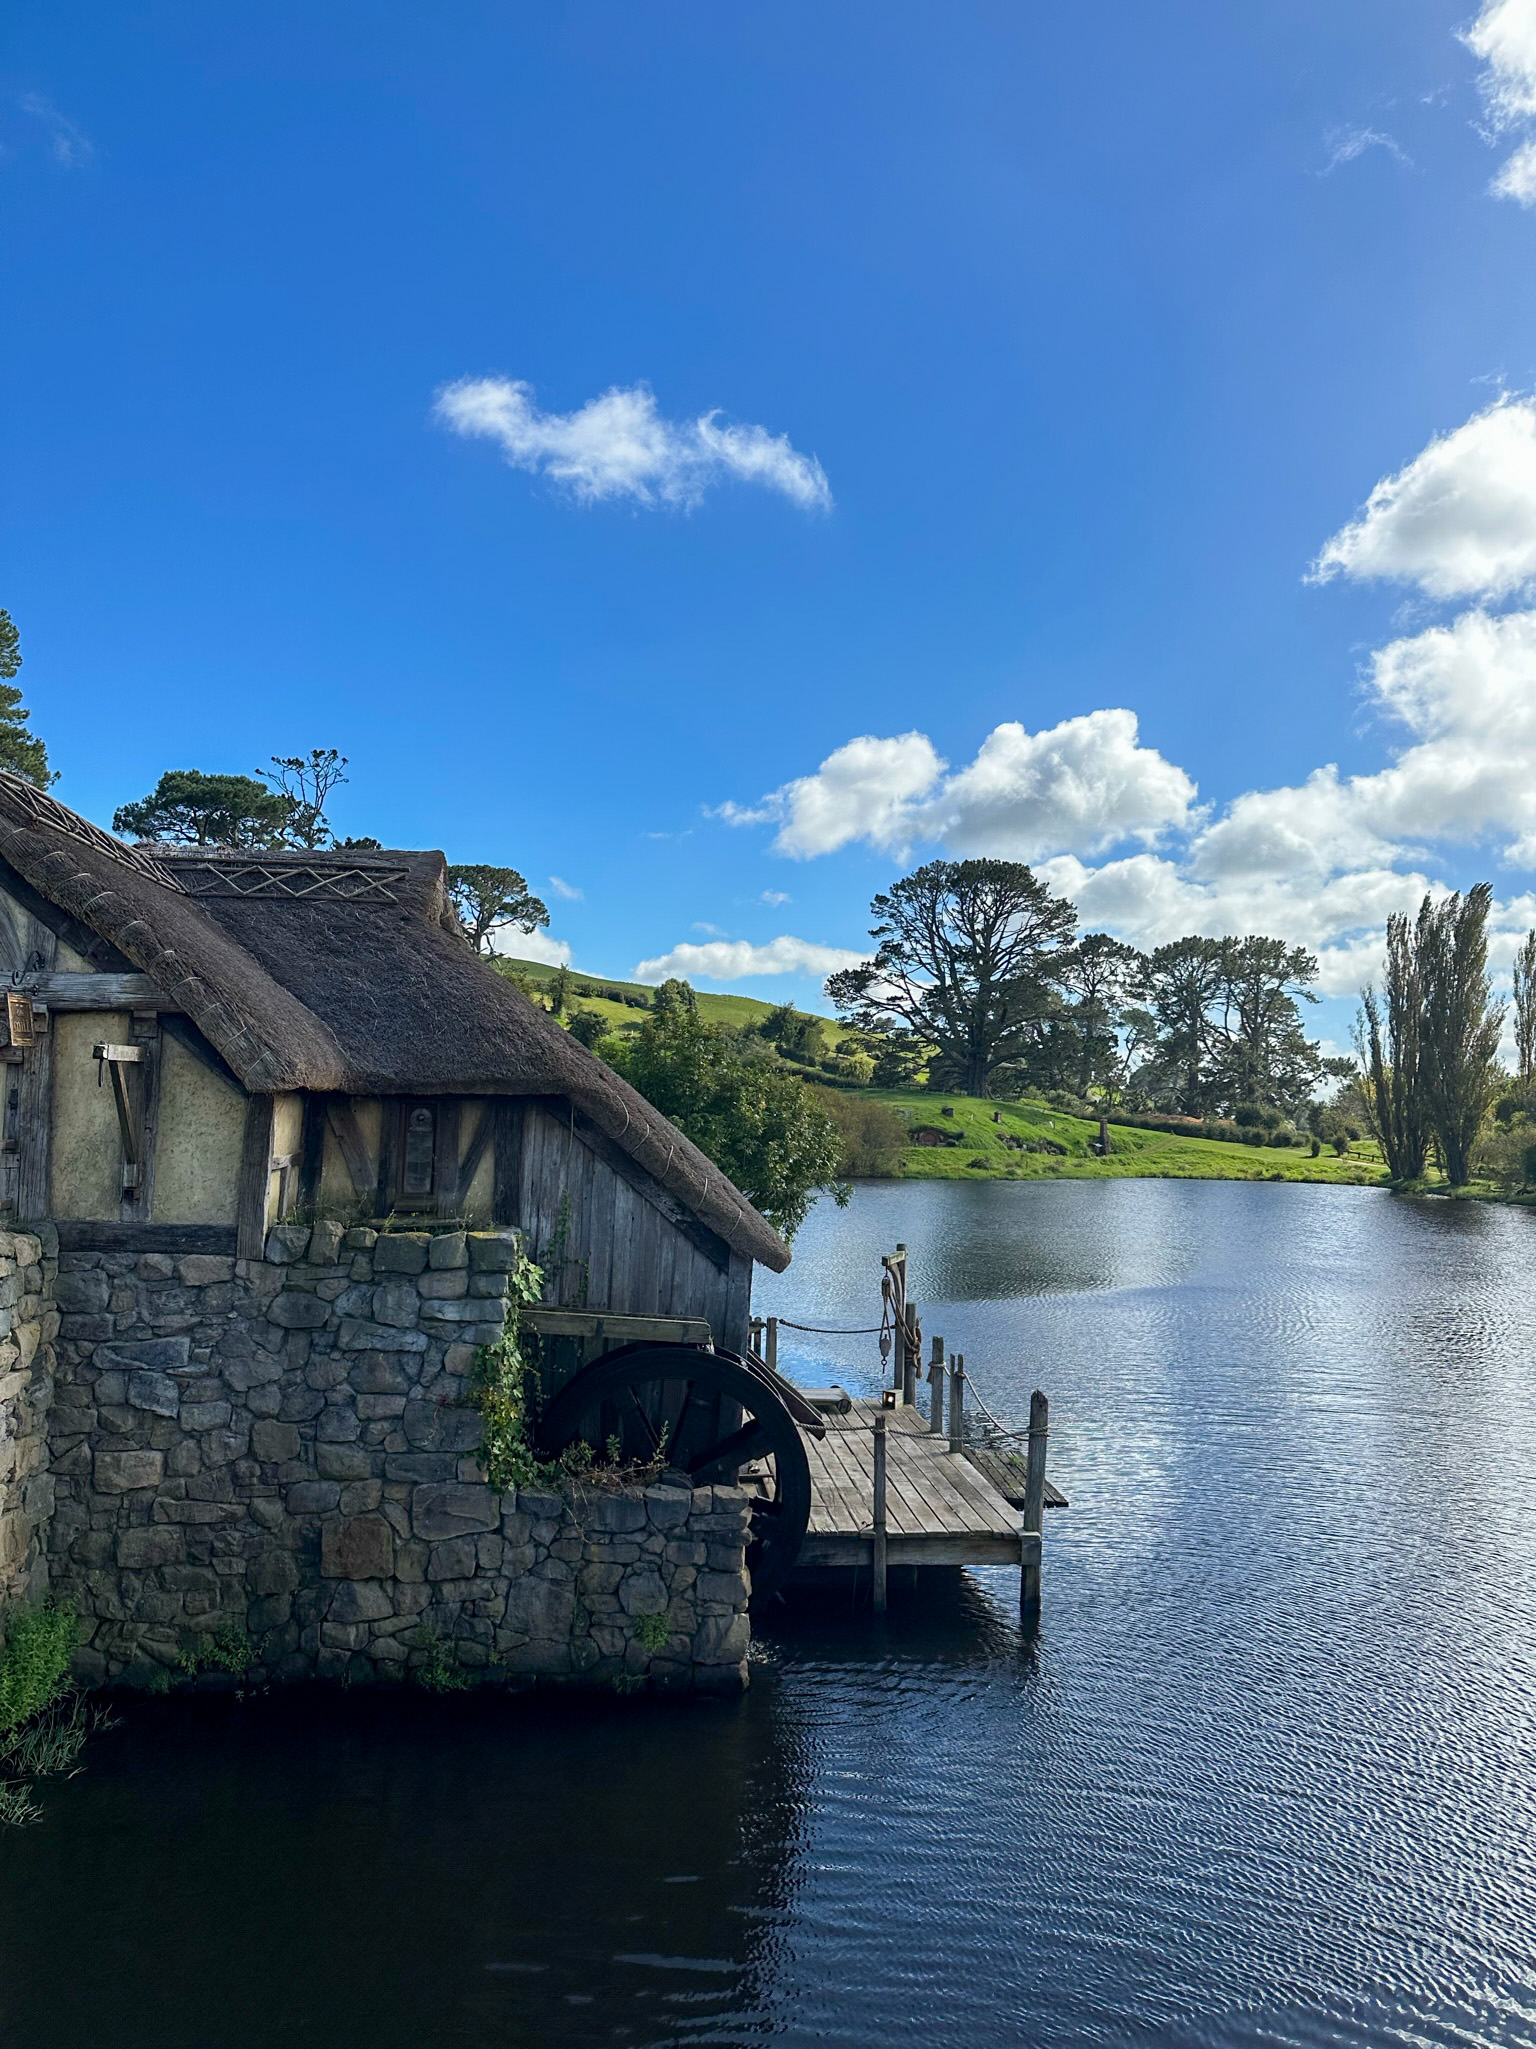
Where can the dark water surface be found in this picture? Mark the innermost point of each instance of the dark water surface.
(1267, 1775)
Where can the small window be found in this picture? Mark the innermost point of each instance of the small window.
(416, 1169)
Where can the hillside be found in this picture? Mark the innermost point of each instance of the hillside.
(727, 1010)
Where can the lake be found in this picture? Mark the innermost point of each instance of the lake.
(1267, 1773)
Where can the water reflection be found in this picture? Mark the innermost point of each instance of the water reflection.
(1267, 1775)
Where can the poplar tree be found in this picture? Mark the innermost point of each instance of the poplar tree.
(1461, 1024)
(1525, 1012)
(1387, 1039)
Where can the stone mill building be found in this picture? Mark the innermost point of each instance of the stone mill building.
(273, 1139)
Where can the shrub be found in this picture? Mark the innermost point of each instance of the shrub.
(34, 1663)
(872, 1136)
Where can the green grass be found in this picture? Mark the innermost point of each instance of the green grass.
(982, 1127)
(727, 1010)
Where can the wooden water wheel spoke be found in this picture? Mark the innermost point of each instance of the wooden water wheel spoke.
(708, 1414)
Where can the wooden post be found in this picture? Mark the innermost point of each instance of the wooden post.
(1103, 1137)
(771, 1355)
(1034, 1504)
(936, 1390)
(877, 1548)
(755, 1336)
(957, 1402)
(895, 1264)
(912, 1357)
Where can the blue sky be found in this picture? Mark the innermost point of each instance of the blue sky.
(1040, 354)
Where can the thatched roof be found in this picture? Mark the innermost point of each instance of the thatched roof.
(345, 972)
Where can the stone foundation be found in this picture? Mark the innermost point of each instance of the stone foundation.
(277, 1453)
(28, 1326)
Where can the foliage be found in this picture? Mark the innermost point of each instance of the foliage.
(560, 992)
(1387, 1037)
(504, 1388)
(188, 808)
(34, 1662)
(873, 1137)
(1221, 1026)
(229, 1650)
(652, 1632)
(797, 1035)
(21, 753)
(587, 1026)
(439, 1670)
(1459, 1032)
(1506, 1155)
(968, 959)
(1525, 1010)
(305, 782)
(754, 1118)
(490, 899)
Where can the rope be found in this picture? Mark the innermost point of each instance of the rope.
(821, 1330)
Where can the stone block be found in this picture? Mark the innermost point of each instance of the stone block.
(454, 1559)
(396, 1303)
(337, 1425)
(88, 1292)
(456, 1510)
(488, 1286)
(359, 1600)
(421, 1466)
(360, 1239)
(401, 1252)
(204, 1270)
(411, 1563)
(375, 1408)
(205, 1415)
(667, 1508)
(357, 1547)
(615, 1513)
(438, 1426)
(275, 1441)
(148, 1355)
(728, 1588)
(156, 1392)
(159, 1544)
(448, 1249)
(721, 1639)
(494, 1251)
(313, 1497)
(358, 1497)
(294, 1310)
(184, 1459)
(121, 1472)
(641, 1592)
(380, 1373)
(343, 1462)
(273, 1572)
(468, 1309)
(325, 1242)
(356, 1335)
(292, 1404)
(287, 1244)
(446, 1286)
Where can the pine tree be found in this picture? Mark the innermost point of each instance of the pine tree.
(21, 753)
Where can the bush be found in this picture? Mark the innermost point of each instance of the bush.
(34, 1663)
(873, 1137)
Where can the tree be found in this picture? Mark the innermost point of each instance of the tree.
(752, 1116)
(1525, 1012)
(587, 1025)
(489, 899)
(797, 1035)
(1263, 1054)
(968, 960)
(1181, 982)
(305, 781)
(1388, 1038)
(1461, 1024)
(21, 753)
(188, 808)
(1100, 975)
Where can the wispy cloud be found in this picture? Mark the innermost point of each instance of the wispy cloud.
(619, 446)
(1504, 36)
(774, 898)
(69, 147)
(1345, 144)
(567, 890)
(721, 960)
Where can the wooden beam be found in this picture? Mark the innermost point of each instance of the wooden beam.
(446, 1181)
(349, 1140)
(312, 1151)
(506, 1196)
(613, 1155)
(34, 1098)
(608, 1323)
(116, 1054)
(255, 1176)
(474, 1152)
(97, 991)
(138, 1203)
(87, 1235)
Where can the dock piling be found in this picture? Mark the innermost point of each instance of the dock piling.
(1034, 1504)
(957, 1402)
(771, 1344)
(878, 1546)
(936, 1390)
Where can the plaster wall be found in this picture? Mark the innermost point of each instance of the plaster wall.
(86, 1149)
(197, 1150)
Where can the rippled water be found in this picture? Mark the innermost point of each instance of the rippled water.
(1267, 1774)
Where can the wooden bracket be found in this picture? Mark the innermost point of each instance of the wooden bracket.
(115, 1060)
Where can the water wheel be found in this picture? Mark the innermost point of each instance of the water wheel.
(719, 1419)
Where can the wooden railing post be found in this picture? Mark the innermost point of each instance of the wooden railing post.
(957, 1402)
(877, 1548)
(771, 1355)
(1034, 1504)
(936, 1390)
(755, 1335)
(912, 1357)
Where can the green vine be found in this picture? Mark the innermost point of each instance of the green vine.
(504, 1387)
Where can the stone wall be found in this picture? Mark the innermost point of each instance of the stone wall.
(28, 1326)
(279, 1451)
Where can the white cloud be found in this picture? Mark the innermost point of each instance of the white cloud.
(69, 148)
(1346, 144)
(1459, 521)
(564, 889)
(725, 960)
(775, 897)
(619, 446)
(1504, 36)
(1079, 786)
(539, 946)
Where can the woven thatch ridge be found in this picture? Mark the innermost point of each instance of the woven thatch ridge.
(361, 998)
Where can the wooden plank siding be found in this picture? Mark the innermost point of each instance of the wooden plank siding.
(621, 1248)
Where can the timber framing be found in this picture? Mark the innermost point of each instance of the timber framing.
(86, 1235)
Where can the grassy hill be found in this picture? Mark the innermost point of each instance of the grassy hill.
(726, 1010)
